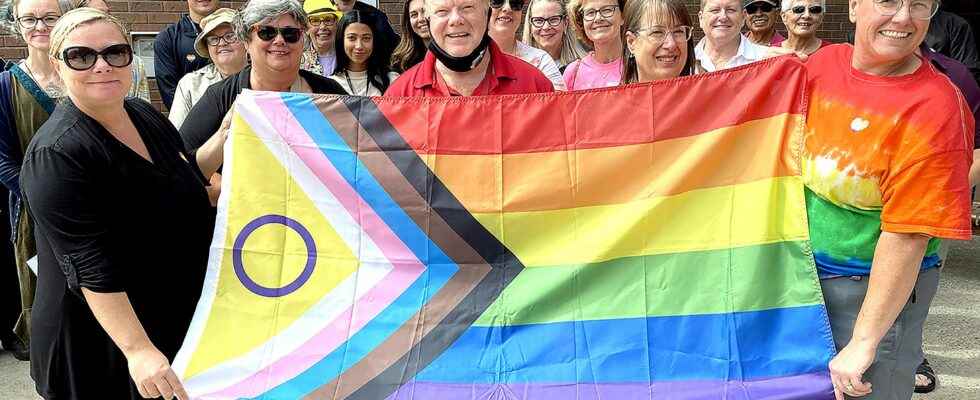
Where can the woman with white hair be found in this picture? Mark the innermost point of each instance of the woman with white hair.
(802, 19)
(112, 193)
(273, 33)
(546, 27)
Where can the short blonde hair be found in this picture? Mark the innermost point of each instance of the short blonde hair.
(76, 18)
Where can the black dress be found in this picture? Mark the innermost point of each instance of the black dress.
(110, 221)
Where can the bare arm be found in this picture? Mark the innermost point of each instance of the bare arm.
(147, 366)
(897, 259)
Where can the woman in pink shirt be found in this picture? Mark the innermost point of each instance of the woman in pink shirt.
(598, 23)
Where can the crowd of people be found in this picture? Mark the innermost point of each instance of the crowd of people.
(103, 187)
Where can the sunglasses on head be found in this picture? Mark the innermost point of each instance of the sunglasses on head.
(754, 7)
(81, 58)
(515, 5)
(801, 9)
(289, 34)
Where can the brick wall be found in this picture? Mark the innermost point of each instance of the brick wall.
(155, 15)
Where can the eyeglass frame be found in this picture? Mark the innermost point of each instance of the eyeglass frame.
(229, 38)
(815, 9)
(514, 7)
(901, 4)
(599, 12)
(332, 19)
(20, 21)
(279, 32)
(63, 56)
(547, 21)
(688, 35)
(757, 6)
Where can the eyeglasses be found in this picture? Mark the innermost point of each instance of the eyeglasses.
(81, 58)
(553, 21)
(515, 5)
(228, 38)
(328, 20)
(605, 12)
(30, 22)
(802, 9)
(918, 9)
(757, 6)
(269, 33)
(659, 33)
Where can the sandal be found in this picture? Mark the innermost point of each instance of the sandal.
(925, 369)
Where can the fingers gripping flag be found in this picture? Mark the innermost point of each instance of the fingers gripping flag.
(647, 242)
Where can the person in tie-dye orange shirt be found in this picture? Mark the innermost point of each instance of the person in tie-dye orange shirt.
(887, 153)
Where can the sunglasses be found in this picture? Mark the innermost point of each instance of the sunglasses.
(801, 9)
(754, 7)
(328, 20)
(81, 58)
(289, 34)
(514, 4)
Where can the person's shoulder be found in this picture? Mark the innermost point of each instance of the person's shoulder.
(403, 85)
(63, 132)
(365, 7)
(321, 84)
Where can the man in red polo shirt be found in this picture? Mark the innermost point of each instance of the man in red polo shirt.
(463, 61)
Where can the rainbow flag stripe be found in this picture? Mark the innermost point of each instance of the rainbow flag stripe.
(629, 243)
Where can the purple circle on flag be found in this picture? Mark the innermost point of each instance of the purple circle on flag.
(254, 287)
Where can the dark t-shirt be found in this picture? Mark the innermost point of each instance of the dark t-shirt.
(110, 221)
(204, 119)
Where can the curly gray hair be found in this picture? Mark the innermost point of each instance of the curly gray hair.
(257, 11)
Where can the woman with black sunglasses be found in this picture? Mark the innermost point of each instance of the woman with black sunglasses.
(273, 32)
(802, 19)
(122, 222)
(361, 70)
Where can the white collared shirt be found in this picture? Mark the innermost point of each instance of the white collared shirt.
(748, 52)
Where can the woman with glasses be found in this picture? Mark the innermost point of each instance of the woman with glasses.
(218, 42)
(28, 91)
(598, 23)
(802, 19)
(546, 27)
(141, 85)
(273, 33)
(658, 41)
(415, 37)
(123, 226)
(361, 70)
(887, 152)
(321, 55)
(505, 17)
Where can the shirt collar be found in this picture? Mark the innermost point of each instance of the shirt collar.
(501, 68)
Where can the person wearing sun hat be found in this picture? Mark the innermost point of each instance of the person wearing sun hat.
(218, 42)
(321, 56)
(760, 20)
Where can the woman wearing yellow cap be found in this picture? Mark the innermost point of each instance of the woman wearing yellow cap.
(321, 55)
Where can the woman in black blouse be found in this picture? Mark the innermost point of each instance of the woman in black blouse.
(123, 225)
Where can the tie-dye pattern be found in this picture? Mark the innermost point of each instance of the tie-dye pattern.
(882, 154)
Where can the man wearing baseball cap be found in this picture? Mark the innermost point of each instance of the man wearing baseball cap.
(760, 19)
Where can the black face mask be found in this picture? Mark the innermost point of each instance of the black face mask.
(465, 63)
